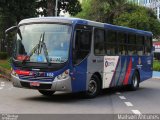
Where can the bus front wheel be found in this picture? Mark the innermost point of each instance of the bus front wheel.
(93, 87)
(46, 93)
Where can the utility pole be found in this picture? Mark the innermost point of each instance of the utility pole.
(56, 8)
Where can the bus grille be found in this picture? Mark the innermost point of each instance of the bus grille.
(33, 78)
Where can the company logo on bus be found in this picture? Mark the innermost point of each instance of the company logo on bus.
(36, 74)
(110, 59)
(107, 64)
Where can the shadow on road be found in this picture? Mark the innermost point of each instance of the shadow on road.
(74, 97)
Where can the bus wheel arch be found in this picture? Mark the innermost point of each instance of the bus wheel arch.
(135, 80)
(100, 78)
(138, 73)
(94, 86)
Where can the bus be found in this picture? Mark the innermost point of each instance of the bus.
(76, 55)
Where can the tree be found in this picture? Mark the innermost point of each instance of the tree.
(11, 12)
(121, 12)
(18, 9)
(48, 7)
(102, 10)
(140, 18)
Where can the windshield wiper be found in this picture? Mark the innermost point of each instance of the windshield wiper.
(38, 49)
(42, 44)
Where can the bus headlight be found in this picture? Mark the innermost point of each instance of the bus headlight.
(14, 73)
(64, 75)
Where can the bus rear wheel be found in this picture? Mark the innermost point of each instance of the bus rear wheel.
(93, 87)
(135, 81)
(46, 93)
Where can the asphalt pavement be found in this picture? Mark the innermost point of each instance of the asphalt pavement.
(111, 101)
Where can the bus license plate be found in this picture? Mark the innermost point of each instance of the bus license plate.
(36, 84)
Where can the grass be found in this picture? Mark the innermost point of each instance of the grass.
(156, 65)
(5, 64)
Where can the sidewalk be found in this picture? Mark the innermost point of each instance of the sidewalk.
(156, 74)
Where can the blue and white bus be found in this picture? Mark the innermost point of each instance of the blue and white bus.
(71, 54)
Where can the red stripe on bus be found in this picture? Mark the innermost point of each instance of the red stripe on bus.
(125, 82)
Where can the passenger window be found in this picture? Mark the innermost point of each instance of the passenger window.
(148, 45)
(99, 42)
(111, 49)
(132, 50)
(122, 49)
(111, 36)
(111, 43)
(121, 38)
(139, 40)
(140, 50)
(82, 45)
(131, 39)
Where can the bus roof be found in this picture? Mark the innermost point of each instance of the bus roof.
(71, 20)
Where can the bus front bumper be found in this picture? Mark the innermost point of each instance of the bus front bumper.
(56, 85)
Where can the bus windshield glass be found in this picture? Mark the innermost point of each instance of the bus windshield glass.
(43, 43)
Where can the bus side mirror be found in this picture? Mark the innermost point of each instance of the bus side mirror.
(13, 28)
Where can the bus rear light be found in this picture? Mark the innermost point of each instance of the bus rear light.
(23, 57)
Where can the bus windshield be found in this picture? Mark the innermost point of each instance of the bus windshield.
(43, 43)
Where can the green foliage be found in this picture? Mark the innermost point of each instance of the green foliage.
(102, 10)
(11, 12)
(3, 55)
(86, 10)
(139, 18)
(121, 12)
(71, 6)
(18, 9)
(156, 66)
(5, 64)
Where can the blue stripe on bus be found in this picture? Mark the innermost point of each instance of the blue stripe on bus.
(80, 77)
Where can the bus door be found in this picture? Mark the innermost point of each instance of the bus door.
(81, 49)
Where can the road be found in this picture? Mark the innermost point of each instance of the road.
(25, 101)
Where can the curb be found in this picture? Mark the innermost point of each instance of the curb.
(3, 76)
(156, 74)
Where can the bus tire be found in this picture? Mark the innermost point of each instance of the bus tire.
(135, 81)
(46, 93)
(93, 87)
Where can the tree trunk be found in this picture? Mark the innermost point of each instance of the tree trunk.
(51, 7)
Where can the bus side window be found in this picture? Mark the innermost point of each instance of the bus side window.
(140, 44)
(99, 42)
(148, 45)
(111, 43)
(132, 44)
(122, 43)
(82, 45)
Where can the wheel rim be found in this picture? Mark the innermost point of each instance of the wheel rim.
(135, 81)
(92, 88)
